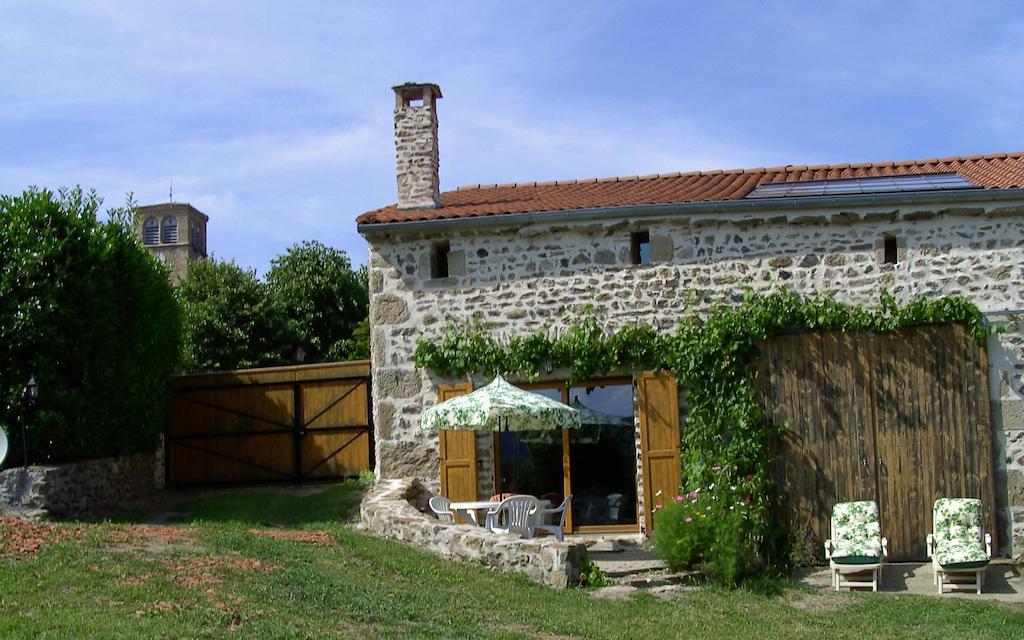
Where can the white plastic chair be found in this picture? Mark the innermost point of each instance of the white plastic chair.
(539, 521)
(513, 515)
(614, 507)
(441, 506)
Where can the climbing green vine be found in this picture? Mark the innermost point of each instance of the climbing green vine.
(721, 337)
(713, 355)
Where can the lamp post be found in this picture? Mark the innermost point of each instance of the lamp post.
(29, 397)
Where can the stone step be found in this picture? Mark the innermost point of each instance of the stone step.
(626, 562)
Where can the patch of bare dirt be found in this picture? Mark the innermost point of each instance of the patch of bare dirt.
(314, 537)
(152, 537)
(23, 537)
(206, 570)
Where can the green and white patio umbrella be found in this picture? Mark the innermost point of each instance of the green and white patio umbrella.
(499, 406)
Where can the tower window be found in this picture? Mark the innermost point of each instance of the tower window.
(640, 247)
(150, 231)
(889, 252)
(169, 230)
(439, 260)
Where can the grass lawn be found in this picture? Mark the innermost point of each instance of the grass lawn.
(264, 565)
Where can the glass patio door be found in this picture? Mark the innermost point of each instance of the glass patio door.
(595, 463)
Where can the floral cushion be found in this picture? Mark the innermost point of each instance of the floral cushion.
(958, 533)
(856, 530)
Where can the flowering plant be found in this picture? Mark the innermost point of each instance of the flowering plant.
(717, 526)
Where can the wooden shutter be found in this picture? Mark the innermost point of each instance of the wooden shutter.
(659, 440)
(458, 453)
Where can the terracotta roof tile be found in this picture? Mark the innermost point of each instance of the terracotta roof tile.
(993, 171)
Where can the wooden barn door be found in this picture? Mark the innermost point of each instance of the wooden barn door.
(658, 402)
(820, 388)
(458, 453)
(901, 419)
(932, 428)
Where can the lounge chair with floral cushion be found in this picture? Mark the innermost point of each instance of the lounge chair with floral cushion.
(856, 545)
(958, 545)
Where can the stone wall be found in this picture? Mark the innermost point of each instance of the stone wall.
(80, 489)
(524, 278)
(397, 509)
(1006, 391)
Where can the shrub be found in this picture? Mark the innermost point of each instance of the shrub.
(715, 527)
(591, 575)
(91, 314)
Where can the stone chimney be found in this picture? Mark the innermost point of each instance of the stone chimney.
(416, 154)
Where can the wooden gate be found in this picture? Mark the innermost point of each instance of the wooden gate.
(264, 425)
(901, 419)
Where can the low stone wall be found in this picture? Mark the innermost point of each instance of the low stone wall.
(79, 489)
(397, 509)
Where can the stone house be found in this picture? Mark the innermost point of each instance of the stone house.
(528, 255)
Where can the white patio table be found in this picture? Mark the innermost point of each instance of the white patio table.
(470, 510)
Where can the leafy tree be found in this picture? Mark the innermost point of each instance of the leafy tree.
(358, 346)
(230, 320)
(91, 314)
(324, 300)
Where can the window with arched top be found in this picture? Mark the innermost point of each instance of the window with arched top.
(169, 230)
(150, 231)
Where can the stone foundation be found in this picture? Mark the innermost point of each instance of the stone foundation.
(80, 489)
(397, 509)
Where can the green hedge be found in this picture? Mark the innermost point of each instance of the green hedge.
(92, 315)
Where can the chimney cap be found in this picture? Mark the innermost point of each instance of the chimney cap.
(410, 87)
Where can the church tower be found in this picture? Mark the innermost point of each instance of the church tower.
(175, 232)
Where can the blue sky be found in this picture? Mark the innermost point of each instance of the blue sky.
(275, 118)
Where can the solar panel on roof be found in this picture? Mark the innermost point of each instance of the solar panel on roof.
(849, 186)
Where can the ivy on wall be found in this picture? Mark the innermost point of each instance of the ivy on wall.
(713, 355)
(720, 336)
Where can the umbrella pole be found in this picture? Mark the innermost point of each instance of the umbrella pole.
(515, 476)
(502, 482)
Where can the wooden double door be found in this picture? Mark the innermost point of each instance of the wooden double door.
(280, 424)
(901, 419)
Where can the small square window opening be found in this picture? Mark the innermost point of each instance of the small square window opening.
(889, 250)
(439, 260)
(640, 247)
